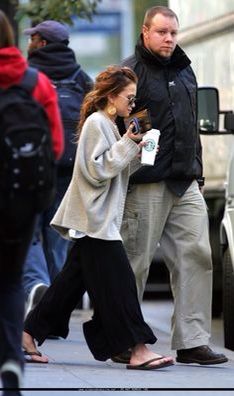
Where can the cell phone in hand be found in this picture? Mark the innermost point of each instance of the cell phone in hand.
(141, 121)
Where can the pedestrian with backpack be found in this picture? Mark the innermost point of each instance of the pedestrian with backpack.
(48, 51)
(24, 95)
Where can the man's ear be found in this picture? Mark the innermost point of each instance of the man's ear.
(145, 31)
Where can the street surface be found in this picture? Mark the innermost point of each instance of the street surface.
(73, 370)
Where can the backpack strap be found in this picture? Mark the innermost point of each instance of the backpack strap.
(29, 79)
(75, 74)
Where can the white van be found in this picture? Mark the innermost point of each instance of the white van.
(208, 122)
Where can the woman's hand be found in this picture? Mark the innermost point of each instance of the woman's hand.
(135, 137)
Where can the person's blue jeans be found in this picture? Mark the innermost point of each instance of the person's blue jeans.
(48, 250)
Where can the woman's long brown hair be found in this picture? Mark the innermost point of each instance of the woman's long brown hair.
(6, 31)
(110, 81)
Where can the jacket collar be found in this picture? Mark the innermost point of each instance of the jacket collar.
(56, 60)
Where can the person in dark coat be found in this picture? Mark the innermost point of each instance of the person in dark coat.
(48, 51)
(17, 225)
(164, 204)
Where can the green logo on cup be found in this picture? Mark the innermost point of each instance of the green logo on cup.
(150, 145)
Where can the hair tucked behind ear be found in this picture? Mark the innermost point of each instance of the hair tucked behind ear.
(110, 81)
(6, 31)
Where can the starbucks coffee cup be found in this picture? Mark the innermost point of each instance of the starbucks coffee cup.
(149, 151)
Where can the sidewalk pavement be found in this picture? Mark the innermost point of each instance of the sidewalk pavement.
(72, 369)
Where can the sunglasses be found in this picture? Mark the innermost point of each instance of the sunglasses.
(130, 100)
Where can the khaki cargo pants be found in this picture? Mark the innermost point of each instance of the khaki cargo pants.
(153, 214)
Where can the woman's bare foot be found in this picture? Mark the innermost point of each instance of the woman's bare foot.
(30, 350)
(141, 355)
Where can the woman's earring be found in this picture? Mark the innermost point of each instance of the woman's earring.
(111, 110)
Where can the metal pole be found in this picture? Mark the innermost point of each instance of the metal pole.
(127, 30)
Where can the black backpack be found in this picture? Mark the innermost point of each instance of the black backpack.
(70, 96)
(27, 165)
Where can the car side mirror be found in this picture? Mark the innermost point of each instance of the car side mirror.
(208, 110)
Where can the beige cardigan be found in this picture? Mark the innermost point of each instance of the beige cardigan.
(94, 201)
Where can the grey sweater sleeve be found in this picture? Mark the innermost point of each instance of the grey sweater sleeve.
(101, 155)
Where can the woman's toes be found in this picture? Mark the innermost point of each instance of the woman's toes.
(35, 357)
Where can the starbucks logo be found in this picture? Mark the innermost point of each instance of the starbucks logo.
(150, 145)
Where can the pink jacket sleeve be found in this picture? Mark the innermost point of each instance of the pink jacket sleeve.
(46, 95)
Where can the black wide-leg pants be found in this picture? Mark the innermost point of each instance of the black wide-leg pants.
(117, 323)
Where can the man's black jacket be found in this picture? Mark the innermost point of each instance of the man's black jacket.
(168, 88)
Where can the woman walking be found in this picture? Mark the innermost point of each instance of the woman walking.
(91, 214)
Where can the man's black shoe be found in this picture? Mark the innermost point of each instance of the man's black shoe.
(122, 357)
(200, 355)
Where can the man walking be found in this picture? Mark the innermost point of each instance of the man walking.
(164, 204)
(48, 52)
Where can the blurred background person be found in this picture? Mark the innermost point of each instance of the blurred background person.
(17, 225)
(48, 52)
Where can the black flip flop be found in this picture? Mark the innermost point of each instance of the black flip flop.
(147, 366)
